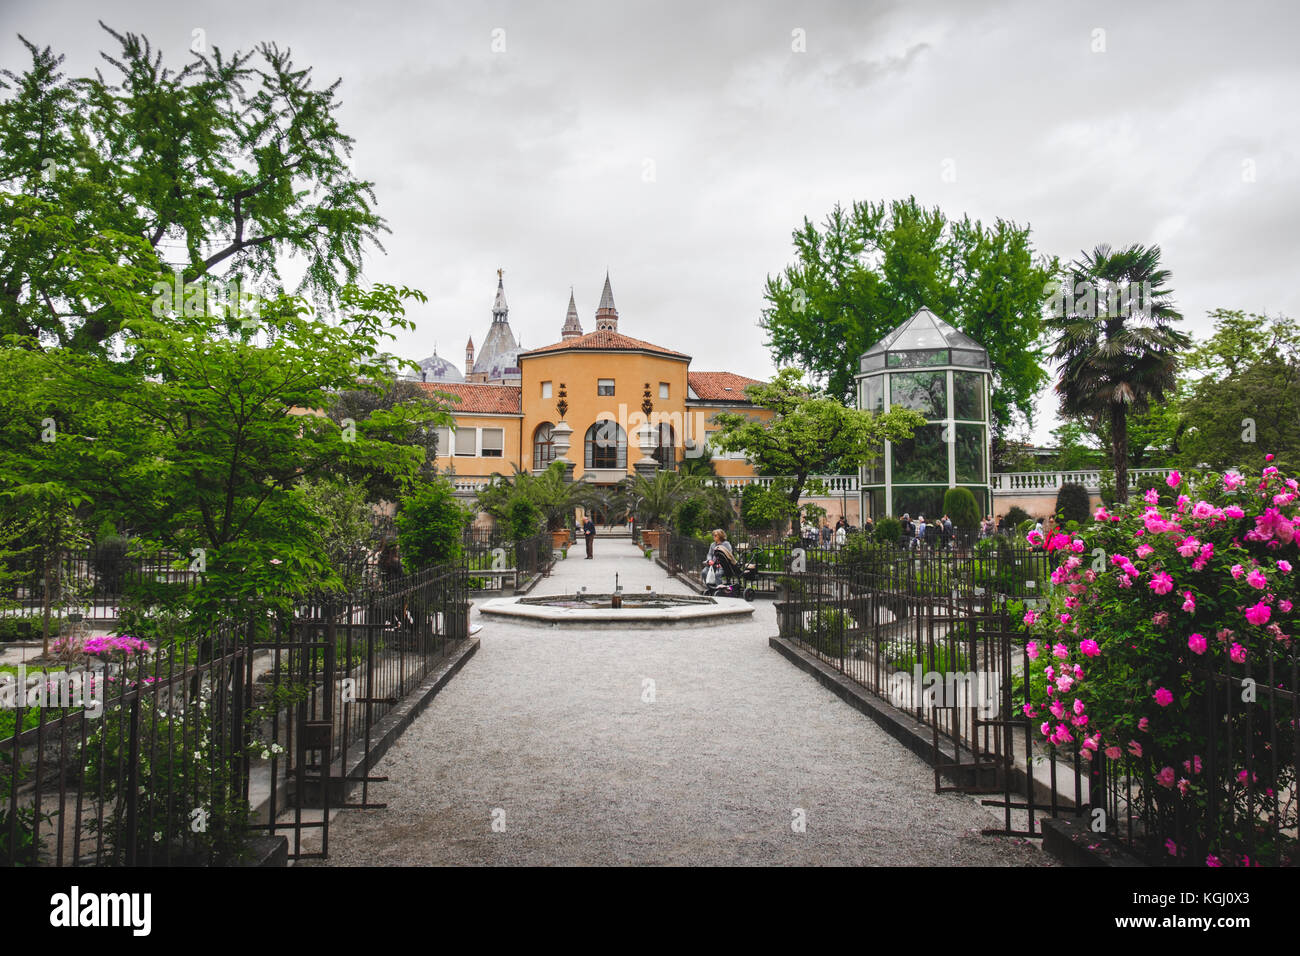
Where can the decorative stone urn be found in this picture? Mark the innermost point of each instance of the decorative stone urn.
(647, 441)
(561, 435)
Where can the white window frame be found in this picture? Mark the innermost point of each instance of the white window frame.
(546, 390)
(663, 389)
(601, 383)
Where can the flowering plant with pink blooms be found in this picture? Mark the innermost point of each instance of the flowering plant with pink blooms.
(1167, 655)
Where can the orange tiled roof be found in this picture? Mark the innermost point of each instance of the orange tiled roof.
(720, 386)
(480, 398)
(606, 340)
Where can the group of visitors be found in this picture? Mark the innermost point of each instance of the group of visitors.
(828, 536)
(918, 534)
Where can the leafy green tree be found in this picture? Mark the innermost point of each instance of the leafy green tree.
(430, 525)
(359, 404)
(200, 440)
(219, 168)
(868, 270)
(1238, 401)
(345, 523)
(1115, 342)
(808, 432)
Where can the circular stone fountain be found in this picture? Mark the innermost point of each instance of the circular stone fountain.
(605, 610)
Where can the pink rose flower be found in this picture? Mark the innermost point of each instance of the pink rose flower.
(1284, 566)
(1284, 606)
(1259, 614)
(1189, 601)
(1061, 651)
(1088, 647)
(1257, 580)
(1166, 777)
(1144, 549)
(1233, 511)
(1113, 752)
(1031, 618)
(1197, 643)
(1078, 706)
(1161, 583)
(1143, 723)
(1135, 748)
(1238, 654)
(1232, 481)
(1064, 682)
(1163, 697)
(1151, 496)
(1212, 860)
(1174, 479)
(1237, 571)
(1031, 649)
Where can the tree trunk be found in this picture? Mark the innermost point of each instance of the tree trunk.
(1119, 450)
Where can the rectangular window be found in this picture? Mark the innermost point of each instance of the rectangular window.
(443, 436)
(466, 442)
(605, 386)
(663, 389)
(546, 390)
(494, 442)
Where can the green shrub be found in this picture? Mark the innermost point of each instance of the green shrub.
(525, 519)
(827, 630)
(1016, 516)
(941, 659)
(959, 505)
(430, 525)
(753, 508)
(1073, 503)
(889, 530)
(12, 628)
(688, 520)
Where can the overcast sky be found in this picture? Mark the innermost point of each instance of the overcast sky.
(678, 145)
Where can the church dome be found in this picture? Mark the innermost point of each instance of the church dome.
(435, 368)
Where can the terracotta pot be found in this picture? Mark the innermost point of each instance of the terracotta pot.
(650, 539)
(559, 539)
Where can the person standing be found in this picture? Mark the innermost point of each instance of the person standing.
(589, 532)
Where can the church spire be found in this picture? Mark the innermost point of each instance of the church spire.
(500, 311)
(572, 327)
(606, 314)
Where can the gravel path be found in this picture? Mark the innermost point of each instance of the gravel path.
(697, 746)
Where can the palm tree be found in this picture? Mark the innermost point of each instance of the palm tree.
(1115, 342)
(653, 500)
(701, 466)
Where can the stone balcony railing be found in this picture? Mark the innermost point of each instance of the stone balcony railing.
(1049, 482)
(1003, 483)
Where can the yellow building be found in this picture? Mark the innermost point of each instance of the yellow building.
(603, 384)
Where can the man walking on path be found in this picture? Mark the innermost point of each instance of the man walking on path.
(589, 532)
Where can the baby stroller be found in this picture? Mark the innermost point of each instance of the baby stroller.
(730, 577)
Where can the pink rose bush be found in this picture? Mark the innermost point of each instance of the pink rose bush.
(1140, 664)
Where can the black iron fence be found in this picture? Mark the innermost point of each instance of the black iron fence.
(938, 635)
(173, 755)
(495, 561)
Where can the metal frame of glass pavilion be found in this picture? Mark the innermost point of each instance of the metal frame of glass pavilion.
(928, 366)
